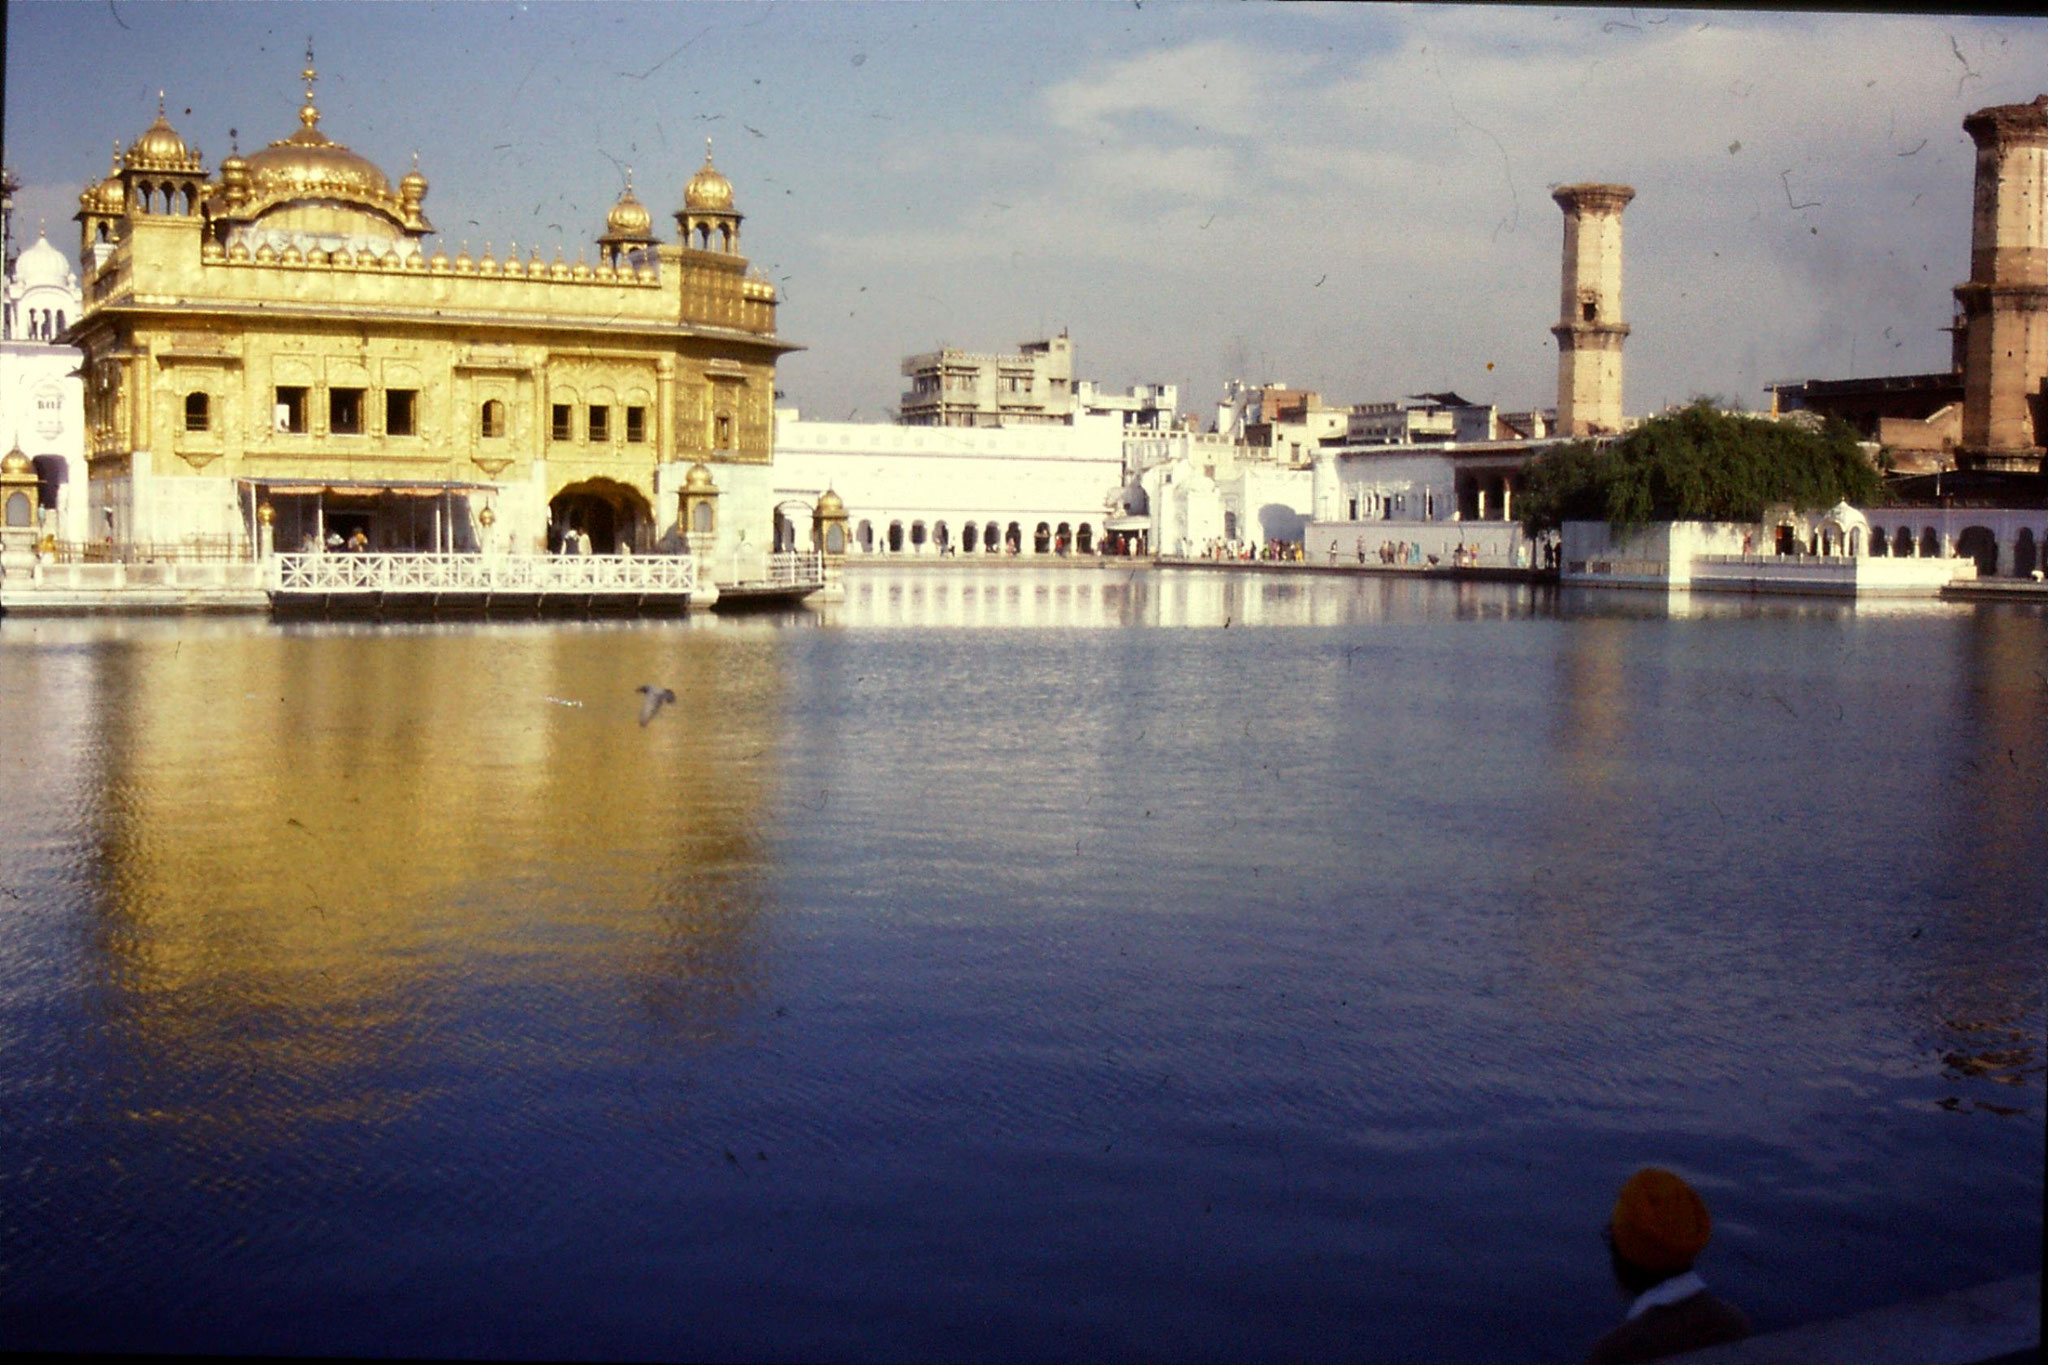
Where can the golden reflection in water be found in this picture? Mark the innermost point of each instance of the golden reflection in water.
(309, 847)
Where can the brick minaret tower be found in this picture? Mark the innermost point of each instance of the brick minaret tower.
(2005, 304)
(1590, 330)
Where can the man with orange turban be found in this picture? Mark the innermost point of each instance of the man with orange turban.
(1658, 1229)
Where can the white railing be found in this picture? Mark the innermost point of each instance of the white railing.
(482, 573)
(796, 569)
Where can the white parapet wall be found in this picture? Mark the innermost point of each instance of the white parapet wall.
(1724, 557)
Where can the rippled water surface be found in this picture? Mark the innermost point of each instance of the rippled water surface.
(1013, 965)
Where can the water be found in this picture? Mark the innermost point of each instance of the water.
(1013, 965)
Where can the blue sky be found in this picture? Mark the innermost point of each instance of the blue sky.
(1349, 198)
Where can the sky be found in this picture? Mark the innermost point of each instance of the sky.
(1353, 199)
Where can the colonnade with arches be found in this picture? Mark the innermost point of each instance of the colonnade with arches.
(993, 536)
(2005, 543)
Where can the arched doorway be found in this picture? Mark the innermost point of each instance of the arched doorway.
(865, 536)
(1084, 539)
(1902, 542)
(895, 537)
(1041, 539)
(1977, 542)
(1062, 538)
(992, 538)
(969, 537)
(1014, 540)
(2024, 553)
(942, 539)
(1880, 542)
(611, 514)
(1930, 544)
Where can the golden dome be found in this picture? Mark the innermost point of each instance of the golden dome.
(311, 165)
(629, 219)
(708, 191)
(18, 464)
(160, 148)
(831, 505)
(698, 480)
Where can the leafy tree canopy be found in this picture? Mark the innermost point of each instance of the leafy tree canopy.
(1699, 463)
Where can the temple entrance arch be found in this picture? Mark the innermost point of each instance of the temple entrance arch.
(616, 517)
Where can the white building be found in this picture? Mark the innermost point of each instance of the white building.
(1147, 407)
(42, 400)
(920, 490)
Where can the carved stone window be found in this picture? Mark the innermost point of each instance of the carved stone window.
(198, 412)
(401, 412)
(290, 409)
(600, 424)
(636, 425)
(493, 426)
(345, 412)
(563, 428)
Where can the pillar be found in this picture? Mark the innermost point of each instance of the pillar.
(2005, 303)
(1590, 330)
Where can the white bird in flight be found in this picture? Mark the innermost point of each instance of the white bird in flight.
(652, 699)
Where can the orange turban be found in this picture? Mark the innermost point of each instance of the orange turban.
(1660, 1223)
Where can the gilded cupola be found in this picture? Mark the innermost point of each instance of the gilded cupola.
(708, 190)
(708, 220)
(161, 149)
(628, 228)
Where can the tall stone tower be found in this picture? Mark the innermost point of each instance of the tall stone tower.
(1590, 330)
(2005, 304)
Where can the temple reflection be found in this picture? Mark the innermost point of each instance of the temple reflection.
(396, 831)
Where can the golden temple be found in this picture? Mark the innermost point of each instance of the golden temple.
(281, 335)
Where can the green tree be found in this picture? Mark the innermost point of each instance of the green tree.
(1699, 463)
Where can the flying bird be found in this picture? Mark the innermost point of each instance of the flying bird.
(652, 699)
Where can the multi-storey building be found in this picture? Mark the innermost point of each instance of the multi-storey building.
(953, 388)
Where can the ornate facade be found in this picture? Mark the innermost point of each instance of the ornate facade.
(280, 334)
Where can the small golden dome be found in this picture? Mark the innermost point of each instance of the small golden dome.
(698, 480)
(414, 185)
(629, 218)
(831, 505)
(708, 191)
(18, 464)
(160, 148)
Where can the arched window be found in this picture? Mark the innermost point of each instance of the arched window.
(866, 536)
(1902, 542)
(1880, 542)
(1041, 539)
(992, 538)
(60, 325)
(493, 419)
(1930, 543)
(895, 537)
(969, 537)
(700, 520)
(917, 535)
(18, 510)
(835, 539)
(198, 412)
(2024, 556)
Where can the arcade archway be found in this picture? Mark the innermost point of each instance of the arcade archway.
(615, 517)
